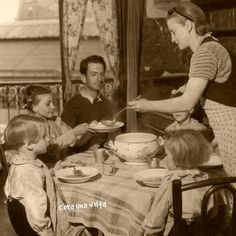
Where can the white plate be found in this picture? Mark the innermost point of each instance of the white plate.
(133, 163)
(99, 127)
(150, 177)
(214, 161)
(67, 175)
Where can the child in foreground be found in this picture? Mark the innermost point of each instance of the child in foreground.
(32, 200)
(29, 187)
(185, 149)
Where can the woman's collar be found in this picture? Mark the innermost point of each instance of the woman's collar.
(202, 39)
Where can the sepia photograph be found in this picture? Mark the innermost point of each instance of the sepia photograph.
(118, 117)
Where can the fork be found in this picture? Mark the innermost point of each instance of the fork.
(78, 172)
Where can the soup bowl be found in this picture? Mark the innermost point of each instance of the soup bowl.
(135, 147)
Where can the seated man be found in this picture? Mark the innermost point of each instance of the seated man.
(89, 104)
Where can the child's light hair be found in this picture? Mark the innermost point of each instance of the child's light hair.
(24, 127)
(189, 148)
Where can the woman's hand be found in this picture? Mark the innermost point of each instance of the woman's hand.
(140, 105)
(80, 129)
(179, 90)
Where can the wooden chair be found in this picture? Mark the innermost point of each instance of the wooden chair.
(5, 166)
(203, 225)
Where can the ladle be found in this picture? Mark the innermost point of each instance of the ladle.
(111, 122)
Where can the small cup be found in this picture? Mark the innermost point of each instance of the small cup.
(109, 167)
(99, 155)
(154, 163)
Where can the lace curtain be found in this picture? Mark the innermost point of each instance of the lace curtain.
(105, 13)
(73, 18)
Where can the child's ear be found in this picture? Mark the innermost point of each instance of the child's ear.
(191, 112)
(29, 145)
(35, 109)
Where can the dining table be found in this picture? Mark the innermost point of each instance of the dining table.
(115, 204)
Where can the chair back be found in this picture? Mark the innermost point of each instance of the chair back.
(214, 184)
(3, 161)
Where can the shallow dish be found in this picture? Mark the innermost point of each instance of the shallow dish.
(67, 175)
(108, 123)
(150, 177)
(214, 161)
(101, 128)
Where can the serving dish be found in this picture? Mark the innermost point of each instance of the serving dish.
(68, 175)
(135, 147)
(150, 177)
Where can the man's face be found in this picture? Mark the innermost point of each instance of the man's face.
(95, 76)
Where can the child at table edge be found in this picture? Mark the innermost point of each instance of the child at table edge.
(29, 187)
(39, 102)
(185, 149)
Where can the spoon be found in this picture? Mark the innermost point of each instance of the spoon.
(127, 107)
(110, 123)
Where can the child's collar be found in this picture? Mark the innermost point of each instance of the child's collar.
(186, 175)
(21, 160)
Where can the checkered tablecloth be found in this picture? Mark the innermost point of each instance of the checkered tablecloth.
(116, 204)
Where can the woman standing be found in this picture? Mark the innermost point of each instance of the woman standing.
(212, 77)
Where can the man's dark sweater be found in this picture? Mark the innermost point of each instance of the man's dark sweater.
(80, 110)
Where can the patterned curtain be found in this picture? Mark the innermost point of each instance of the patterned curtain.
(106, 17)
(74, 12)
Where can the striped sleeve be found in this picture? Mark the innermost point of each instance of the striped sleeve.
(203, 65)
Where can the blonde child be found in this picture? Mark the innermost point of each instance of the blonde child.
(183, 120)
(185, 149)
(29, 187)
(39, 102)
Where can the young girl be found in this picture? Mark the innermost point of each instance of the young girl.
(185, 149)
(39, 102)
(29, 187)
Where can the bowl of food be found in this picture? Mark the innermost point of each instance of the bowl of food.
(150, 177)
(101, 128)
(135, 147)
(108, 123)
(76, 175)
